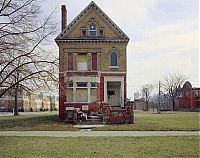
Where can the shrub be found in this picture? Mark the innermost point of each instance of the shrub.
(22, 109)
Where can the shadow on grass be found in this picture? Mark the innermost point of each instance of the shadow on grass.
(33, 122)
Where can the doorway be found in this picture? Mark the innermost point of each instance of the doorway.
(113, 93)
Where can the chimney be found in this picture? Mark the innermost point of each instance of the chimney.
(63, 17)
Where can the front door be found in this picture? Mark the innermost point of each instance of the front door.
(113, 93)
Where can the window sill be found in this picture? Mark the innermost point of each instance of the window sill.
(113, 67)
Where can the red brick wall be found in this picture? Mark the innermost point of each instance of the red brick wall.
(82, 73)
(101, 88)
(62, 97)
(94, 61)
(188, 100)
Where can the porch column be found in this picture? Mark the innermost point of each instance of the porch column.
(105, 92)
(122, 93)
(88, 91)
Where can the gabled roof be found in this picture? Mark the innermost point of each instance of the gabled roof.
(61, 36)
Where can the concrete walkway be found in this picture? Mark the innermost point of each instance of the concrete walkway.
(98, 133)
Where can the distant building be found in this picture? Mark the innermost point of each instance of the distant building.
(28, 101)
(188, 98)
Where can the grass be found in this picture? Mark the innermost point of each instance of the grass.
(36, 122)
(100, 147)
(166, 121)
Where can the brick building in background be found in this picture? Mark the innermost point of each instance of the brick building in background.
(189, 98)
(92, 67)
(27, 101)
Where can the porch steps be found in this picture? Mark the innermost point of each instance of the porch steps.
(92, 120)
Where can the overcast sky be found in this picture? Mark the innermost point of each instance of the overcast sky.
(163, 36)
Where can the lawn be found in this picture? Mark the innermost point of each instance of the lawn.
(172, 121)
(100, 147)
(165, 121)
(37, 122)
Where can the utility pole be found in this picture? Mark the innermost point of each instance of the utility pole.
(158, 108)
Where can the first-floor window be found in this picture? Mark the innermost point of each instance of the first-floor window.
(81, 84)
(93, 84)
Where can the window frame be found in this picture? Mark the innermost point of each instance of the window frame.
(89, 30)
(110, 62)
(78, 67)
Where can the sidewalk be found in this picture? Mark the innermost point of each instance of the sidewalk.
(98, 133)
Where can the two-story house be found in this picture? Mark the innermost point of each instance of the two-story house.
(92, 64)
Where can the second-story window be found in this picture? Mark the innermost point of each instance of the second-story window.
(70, 61)
(82, 62)
(92, 30)
(113, 59)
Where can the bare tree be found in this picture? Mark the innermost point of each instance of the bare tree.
(24, 34)
(146, 92)
(171, 86)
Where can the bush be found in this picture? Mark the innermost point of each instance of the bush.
(22, 109)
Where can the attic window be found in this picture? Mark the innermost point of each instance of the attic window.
(92, 30)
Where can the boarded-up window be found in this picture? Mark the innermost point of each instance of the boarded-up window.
(81, 95)
(94, 61)
(93, 95)
(82, 62)
(70, 61)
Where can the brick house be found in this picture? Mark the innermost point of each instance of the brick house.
(92, 67)
(188, 98)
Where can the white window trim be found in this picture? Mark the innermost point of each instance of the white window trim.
(114, 67)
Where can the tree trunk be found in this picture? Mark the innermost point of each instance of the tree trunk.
(16, 112)
(147, 106)
(173, 104)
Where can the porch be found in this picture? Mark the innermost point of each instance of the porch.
(99, 113)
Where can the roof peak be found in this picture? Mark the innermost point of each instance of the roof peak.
(101, 12)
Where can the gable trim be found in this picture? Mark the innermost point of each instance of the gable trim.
(78, 18)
